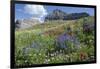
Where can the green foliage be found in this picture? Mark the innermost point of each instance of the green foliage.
(45, 51)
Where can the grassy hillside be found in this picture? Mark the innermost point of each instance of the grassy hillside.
(51, 42)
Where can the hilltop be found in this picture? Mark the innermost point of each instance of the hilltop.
(54, 15)
(61, 15)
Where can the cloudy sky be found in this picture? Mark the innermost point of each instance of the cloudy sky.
(24, 11)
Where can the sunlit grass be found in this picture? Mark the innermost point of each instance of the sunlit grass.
(37, 45)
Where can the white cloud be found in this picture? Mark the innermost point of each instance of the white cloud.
(37, 11)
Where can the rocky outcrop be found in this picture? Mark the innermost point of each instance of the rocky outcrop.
(56, 15)
(61, 15)
(26, 23)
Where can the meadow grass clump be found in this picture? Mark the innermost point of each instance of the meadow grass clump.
(52, 42)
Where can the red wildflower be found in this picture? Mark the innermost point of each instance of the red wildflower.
(83, 56)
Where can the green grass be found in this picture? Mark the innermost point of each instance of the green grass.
(44, 35)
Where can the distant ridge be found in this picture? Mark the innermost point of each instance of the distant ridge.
(61, 15)
(55, 15)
